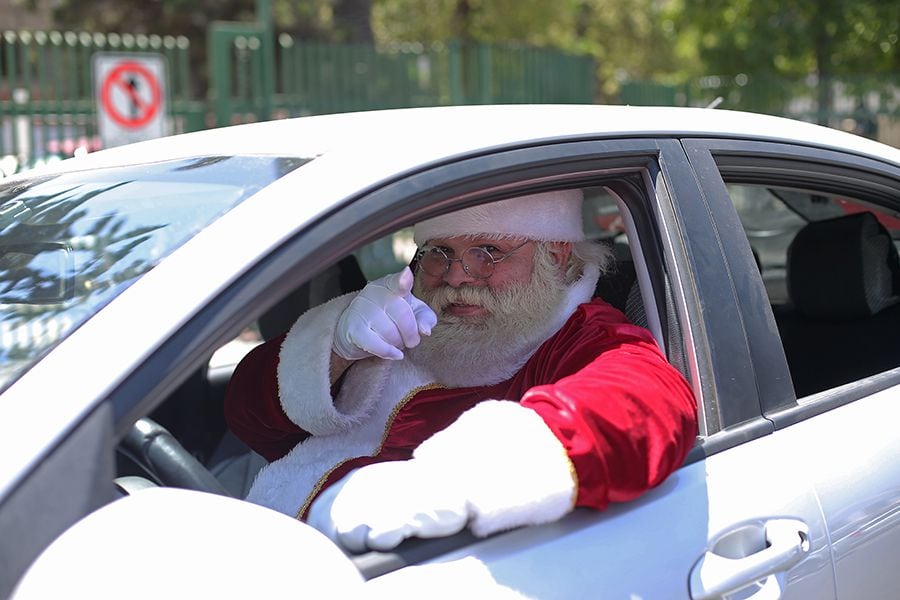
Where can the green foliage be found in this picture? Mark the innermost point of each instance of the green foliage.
(794, 37)
(326, 20)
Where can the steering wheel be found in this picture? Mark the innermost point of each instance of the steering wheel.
(154, 449)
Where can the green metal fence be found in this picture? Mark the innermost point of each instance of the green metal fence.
(317, 78)
(47, 106)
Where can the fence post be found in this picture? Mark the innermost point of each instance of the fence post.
(218, 55)
(485, 74)
(823, 99)
(457, 94)
(267, 71)
(12, 75)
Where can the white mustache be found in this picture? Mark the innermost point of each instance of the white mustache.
(442, 297)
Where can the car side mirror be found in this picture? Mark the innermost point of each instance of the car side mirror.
(166, 541)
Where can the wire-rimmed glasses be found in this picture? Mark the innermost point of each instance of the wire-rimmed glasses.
(476, 261)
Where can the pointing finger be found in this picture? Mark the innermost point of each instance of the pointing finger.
(400, 283)
(405, 321)
(425, 317)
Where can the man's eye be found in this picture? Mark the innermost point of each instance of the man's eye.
(440, 251)
(491, 249)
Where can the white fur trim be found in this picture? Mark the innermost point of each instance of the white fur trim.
(580, 292)
(303, 365)
(547, 216)
(287, 483)
(510, 466)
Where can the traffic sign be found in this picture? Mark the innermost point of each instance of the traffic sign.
(130, 92)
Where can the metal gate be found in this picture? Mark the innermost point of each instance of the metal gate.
(255, 76)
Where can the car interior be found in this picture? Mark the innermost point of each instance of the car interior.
(842, 322)
(185, 441)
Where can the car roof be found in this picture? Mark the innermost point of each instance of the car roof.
(419, 135)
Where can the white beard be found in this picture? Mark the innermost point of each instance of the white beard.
(466, 352)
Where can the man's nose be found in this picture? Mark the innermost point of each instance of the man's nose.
(456, 275)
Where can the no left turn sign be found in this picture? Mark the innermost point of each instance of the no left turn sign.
(130, 93)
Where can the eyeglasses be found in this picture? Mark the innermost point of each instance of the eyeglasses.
(476, 261)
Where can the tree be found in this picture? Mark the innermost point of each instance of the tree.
(353, 18)
(664, 40)
(794, 38)
(326, 20)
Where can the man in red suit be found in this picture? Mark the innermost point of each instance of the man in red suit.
(488, 390)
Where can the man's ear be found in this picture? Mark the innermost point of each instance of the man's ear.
(560, 253)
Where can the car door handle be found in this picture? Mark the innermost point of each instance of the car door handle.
(755, 553)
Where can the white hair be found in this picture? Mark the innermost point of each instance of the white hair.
(583, 253)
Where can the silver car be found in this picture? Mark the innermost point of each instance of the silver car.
(760, 252)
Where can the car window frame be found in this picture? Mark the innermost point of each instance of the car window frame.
(791, 165)
(689, 217)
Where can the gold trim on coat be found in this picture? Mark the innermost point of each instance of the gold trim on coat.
(390, 422)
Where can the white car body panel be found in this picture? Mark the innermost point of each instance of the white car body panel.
(215, 563)
(853, 458)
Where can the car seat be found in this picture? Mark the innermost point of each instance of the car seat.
(841, 325)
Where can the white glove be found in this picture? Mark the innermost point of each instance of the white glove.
(378, 506)
(383, 319)
(498, 466)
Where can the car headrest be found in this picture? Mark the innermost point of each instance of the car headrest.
(843, 268)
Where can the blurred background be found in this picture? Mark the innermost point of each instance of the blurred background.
(80, 75)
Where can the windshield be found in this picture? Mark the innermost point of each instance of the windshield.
(70, 243)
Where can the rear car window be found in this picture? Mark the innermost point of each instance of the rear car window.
(831, 270)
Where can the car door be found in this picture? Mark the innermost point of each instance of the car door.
(844, 426)
(742, 515)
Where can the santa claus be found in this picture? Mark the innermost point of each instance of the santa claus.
(488, 390)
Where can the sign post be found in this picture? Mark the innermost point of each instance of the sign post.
(130, 93)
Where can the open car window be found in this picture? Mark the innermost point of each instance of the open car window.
(605, 221)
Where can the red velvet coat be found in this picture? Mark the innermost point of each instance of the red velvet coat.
(624, 415)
